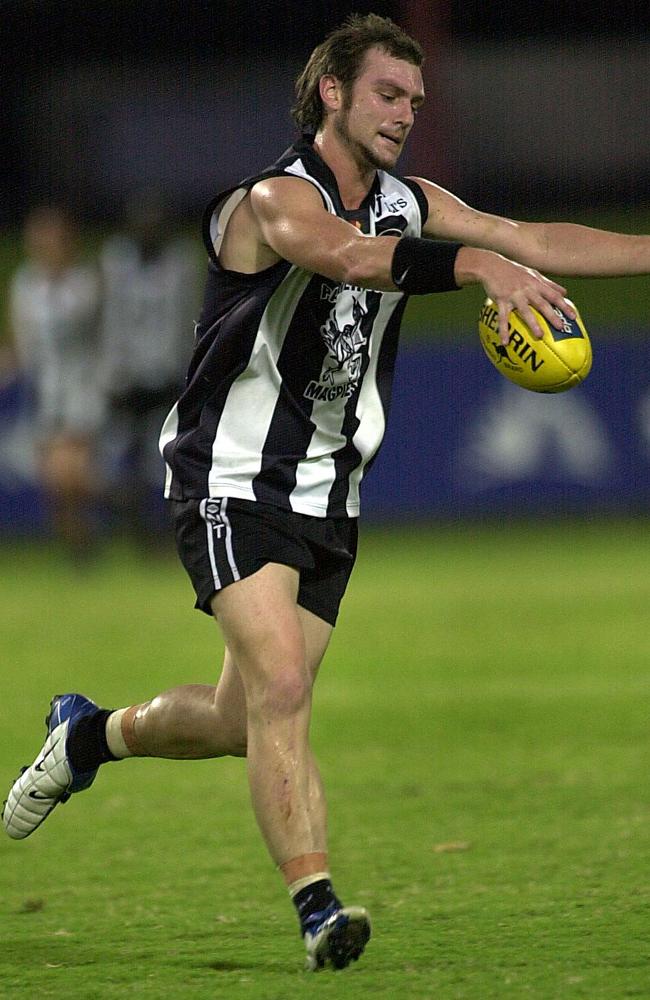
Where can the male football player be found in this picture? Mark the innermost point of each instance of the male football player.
(311, 262)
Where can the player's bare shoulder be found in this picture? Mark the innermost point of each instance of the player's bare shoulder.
(274, 201)
(280, 200)
(243, 248)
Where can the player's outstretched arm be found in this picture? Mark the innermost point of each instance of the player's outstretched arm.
(563, 248)
(293, 224)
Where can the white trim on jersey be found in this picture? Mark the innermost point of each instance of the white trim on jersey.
(167, 435)
(221, 217)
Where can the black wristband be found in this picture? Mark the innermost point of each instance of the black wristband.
(420, 266)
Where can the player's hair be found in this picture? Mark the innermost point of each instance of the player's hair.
(341, 55)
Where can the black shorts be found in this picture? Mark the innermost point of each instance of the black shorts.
(224, 540)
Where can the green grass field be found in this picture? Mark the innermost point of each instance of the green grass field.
(482, 726)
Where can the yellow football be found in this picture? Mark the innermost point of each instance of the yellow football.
(557, 362)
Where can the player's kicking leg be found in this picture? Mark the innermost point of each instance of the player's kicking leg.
(55, 774)
(194, 721)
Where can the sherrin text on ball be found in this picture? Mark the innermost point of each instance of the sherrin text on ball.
(558, 361)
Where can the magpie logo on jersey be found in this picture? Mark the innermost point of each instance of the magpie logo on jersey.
(343, 364)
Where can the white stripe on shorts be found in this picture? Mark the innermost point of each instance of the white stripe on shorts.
(215, 524)
(229, 549)
(213, 559)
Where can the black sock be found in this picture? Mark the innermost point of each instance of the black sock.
(86, 745)
(312, 899)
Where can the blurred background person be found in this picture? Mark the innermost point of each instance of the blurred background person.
(53, 301)
(150, 286)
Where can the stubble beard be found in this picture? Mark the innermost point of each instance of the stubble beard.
(364, 157)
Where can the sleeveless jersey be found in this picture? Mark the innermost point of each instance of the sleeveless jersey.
(289, 385)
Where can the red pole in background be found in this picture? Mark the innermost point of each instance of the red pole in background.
(429, 22)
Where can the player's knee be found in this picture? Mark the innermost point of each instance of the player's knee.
(286, 692)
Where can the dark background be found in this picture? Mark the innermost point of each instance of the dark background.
(532, 111)
(101, 97)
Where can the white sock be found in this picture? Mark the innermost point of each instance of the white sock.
(114, 737)
(302, 883)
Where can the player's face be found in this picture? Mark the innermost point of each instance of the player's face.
(378, 114)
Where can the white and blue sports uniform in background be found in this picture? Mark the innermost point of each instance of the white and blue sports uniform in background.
(55, 325)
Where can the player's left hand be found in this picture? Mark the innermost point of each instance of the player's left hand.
(538, 292)
(514, 286)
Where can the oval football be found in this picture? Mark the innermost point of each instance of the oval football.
(557, 362)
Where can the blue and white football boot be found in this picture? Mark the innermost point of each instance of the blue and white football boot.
(336, 937)
(51, 778)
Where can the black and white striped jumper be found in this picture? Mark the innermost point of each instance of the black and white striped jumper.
(289, 385)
